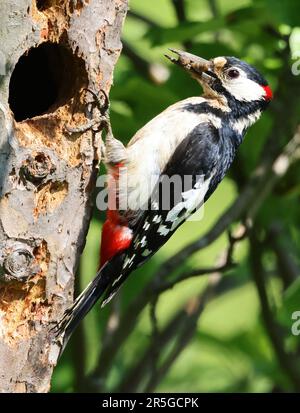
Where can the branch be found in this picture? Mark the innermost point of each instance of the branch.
(194, 309)
(186, 331)
(181, 327)
(140, 64)
(156, 348)
(214, 8)
(287, 362)
(155, 72)
(227, 264)
(215, 13)
(143, 18)
(160, 339)
(133, 379)
(179, 7)
(287, 267)
(78, 344)
(97, 382)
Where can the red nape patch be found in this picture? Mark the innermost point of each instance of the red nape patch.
(269, 93)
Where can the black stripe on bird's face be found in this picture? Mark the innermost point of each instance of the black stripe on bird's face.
(252, 72)
(240, 84)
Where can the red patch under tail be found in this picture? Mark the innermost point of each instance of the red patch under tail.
(116, 236)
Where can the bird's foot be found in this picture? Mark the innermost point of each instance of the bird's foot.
(100, 115)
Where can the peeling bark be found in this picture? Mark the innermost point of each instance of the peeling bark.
(46, 174)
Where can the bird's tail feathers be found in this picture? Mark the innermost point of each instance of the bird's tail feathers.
(63, 330)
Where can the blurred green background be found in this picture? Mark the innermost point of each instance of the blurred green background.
(231, 348)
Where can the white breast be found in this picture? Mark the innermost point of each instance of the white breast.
(149, 150)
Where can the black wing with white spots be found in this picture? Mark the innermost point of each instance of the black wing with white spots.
(194, 170)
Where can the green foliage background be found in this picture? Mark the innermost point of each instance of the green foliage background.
(231, 350)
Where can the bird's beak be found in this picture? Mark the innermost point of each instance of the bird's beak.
(195, 65)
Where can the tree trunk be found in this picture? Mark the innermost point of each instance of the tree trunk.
(50, 50)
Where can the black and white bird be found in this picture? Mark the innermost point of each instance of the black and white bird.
(197, 138)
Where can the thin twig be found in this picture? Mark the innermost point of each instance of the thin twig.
(140, 64)
(214, 8)
(154, 354)
(196, 306)
(215, 13)
(133, 378)
(143, 18)
(167, 285)
(79, 344)
(287, 361)
(179, 7)
(176, 327)
(185, 331)
(228, 264)
(286, 264)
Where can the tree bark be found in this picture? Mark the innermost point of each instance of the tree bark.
(47, 175)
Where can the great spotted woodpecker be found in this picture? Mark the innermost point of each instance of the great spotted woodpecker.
(196, 137)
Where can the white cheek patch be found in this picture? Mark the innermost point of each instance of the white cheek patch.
(244, 89)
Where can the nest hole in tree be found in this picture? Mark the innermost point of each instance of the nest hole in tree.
(44, 78)
(44, 4)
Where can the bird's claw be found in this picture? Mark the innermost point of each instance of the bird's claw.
(98, 120)
(102, 106)
(81, 128)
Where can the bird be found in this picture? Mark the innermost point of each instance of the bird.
(195, 138)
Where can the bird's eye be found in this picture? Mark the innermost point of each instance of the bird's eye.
(233, 73)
